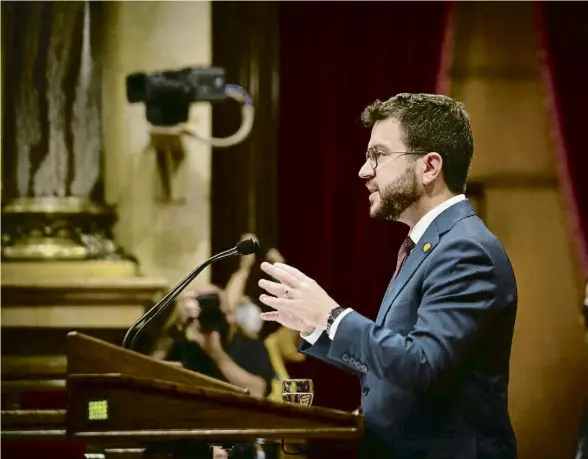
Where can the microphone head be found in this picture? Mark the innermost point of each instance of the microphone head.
(247, 247)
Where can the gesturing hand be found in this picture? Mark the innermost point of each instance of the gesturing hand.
(299, 302)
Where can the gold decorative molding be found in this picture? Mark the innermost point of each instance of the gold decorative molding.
(52, 228)
(87, 316)
(28, 272)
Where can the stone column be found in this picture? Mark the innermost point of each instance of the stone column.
(53, 205)
(52, 175)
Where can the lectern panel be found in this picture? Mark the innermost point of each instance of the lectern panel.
(124, 399)
(117, 406)
(87, 355)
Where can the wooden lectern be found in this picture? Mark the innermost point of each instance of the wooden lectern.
(119, 398)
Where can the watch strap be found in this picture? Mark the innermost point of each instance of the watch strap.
(332, 316)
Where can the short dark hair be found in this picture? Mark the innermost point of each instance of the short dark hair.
(431, 122)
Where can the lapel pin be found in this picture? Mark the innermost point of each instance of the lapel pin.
(427, 247)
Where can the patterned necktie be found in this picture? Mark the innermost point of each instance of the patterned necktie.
(403, 254)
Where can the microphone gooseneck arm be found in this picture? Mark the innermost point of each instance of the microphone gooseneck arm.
(243, 248)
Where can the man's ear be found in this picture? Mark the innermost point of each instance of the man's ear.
(432, 167)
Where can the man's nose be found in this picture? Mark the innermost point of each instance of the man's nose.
(366, 171)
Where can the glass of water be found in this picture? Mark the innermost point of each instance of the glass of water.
(300, 391)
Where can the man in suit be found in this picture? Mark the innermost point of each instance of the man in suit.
(434, 365)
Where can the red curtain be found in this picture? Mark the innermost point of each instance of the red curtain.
(336, 58)
(563, 28)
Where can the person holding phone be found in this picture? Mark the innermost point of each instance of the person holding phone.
(203, 338)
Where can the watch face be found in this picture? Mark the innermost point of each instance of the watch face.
(332, 316)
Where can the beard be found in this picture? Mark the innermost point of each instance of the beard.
(397, 196)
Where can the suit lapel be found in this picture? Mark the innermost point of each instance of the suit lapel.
(425, 246)
(427, 243)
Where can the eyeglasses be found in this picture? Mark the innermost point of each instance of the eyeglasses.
(373, 154)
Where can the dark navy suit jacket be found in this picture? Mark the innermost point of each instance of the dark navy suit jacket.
(434, 366)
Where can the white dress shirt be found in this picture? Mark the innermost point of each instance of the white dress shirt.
(415, 234)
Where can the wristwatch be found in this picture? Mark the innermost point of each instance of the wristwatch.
(332, 316)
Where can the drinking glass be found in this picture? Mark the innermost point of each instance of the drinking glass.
(300, 391)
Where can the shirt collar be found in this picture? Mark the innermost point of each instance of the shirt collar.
(419, 229)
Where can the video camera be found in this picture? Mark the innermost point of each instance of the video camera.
(167, 95)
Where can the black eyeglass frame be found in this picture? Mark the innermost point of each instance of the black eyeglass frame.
(372, 155)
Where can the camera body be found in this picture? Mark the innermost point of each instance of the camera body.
(211, 317)
(168, 95)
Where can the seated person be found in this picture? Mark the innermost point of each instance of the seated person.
(203, 336)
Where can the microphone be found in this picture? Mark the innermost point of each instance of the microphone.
(245, 247)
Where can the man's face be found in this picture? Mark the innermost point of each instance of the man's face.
(393, 185)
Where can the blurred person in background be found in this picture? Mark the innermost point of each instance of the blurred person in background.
(247, 318)
(243, 282)
(202, 335)
(257, 352)
(243, 296)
